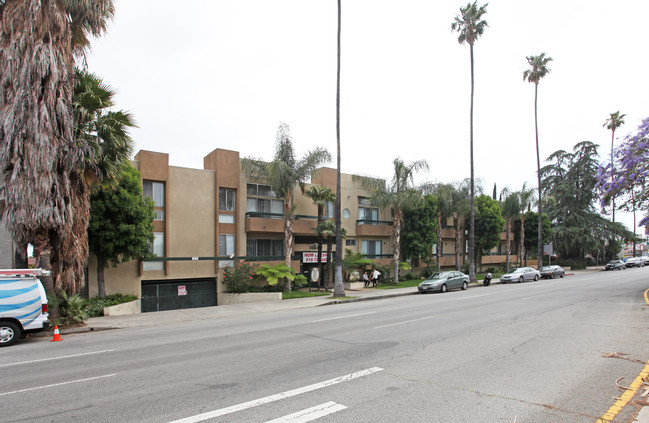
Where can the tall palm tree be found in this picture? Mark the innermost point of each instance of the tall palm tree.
(470, 25)
(538, 69)
(320, 195)
(399, 195)
(285, 174)
(510, 207)
(339, 287)
(42, 185)
(615, 121)
(524, 198)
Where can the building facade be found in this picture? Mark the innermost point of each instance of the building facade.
(213, 217)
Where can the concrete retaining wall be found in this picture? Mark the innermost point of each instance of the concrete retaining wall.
(248, 297)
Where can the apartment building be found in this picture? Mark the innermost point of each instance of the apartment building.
(209, 218)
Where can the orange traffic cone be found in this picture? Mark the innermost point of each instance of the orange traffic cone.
(57, 337)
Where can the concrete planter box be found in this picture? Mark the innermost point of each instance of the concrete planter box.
(133, 307)
(354, 285)
(249, 297)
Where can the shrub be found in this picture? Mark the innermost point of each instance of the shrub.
(71, 309)
(237, 279)
(94, 307)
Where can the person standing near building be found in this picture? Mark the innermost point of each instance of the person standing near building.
(375, 278)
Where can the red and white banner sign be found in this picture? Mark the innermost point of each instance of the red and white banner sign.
(313, 257)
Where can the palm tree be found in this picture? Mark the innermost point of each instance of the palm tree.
(470, 25)
(284, 174)
(46, 202)
(399, 195)
(524, 197)
(538, 69)
(510, 207)
(320, 196)
(615, 121)
(105, 133)
(339, 287)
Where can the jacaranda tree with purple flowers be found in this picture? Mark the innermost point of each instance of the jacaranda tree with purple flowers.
(628, 181)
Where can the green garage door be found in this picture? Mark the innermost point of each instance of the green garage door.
(177, 294)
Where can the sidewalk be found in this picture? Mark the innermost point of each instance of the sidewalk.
(207, 313)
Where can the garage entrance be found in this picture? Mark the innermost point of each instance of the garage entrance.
(159, 295)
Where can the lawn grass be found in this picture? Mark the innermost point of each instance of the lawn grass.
(303, 294)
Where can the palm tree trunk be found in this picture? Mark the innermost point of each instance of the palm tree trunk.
(472, 277)
(612, 174)
(538, 176)
(339, 288)
(509, 239)
(328, 271)
(396, 232)
(522, 252)
(439, 242)
(288, 240)
(457, 243)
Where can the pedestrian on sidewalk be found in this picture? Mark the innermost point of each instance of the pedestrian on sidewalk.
(366, 279)
(375, 278)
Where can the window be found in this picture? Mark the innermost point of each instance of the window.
(367, 215)
(226, 218)
(158, 249)
(226, 248)
(350, 242)
(329, 208)
(267, 207)
(265, 247)
(226, 199)
(156, 192)
(371, 249)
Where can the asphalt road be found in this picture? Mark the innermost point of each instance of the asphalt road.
(532, 352)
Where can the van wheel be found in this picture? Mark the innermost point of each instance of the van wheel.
(9, 333)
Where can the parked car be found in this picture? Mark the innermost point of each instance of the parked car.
(645, 259)
(615, 264)
(551, 272)
(443, 281)
(521, 274)
(634, 262)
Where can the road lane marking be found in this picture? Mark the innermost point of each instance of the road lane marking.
(342, 317)
(57, 384)
(54, 358)
(276, 397)
(404, 322)
(310, 414)
(629, 393)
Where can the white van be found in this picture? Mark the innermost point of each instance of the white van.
(23, 304)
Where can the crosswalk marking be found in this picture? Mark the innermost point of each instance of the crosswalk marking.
(310, 414)
(282, 395)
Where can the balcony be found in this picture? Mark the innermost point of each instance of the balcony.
(366, 227)
(274, 223)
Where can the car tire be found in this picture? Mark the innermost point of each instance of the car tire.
(536, 278)
(551, 275)
(520, 279)
(443, 288)
(10, 333)
(503, 282)
(465, 286)
(562, 274)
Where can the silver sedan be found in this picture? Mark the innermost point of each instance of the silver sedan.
(521, 274)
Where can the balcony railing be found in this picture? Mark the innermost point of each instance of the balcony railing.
(268, 215)
(373, 222)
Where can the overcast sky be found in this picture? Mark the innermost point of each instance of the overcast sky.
(201, 75)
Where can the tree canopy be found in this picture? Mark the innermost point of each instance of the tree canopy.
(120, 227)
(419, 232)
(489, 224)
